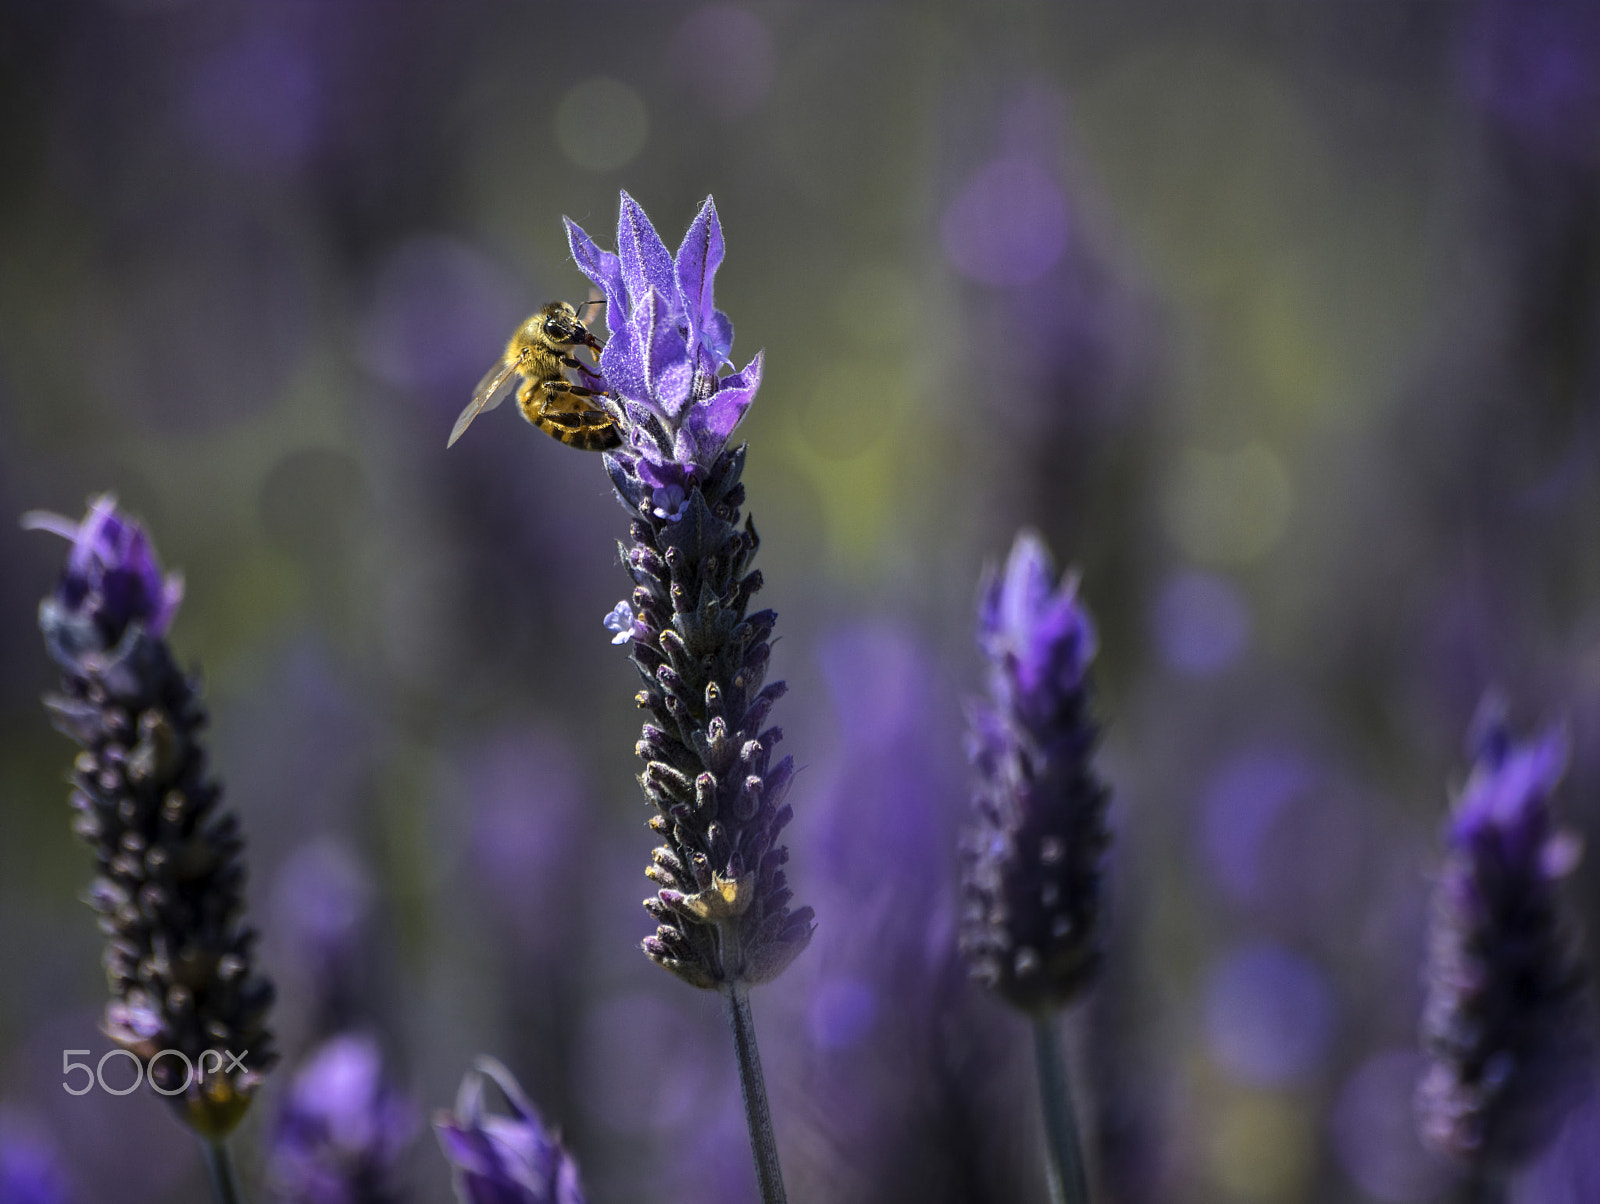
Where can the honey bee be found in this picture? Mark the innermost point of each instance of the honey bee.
(541, 353)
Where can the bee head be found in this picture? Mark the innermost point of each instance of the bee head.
(558, 322)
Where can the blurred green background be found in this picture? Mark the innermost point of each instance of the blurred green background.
(1279, 322)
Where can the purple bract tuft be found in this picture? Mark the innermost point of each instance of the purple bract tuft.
(1034, 859)
(1507, 1021)
(668, 345)
(504, 1159)
(111, 580)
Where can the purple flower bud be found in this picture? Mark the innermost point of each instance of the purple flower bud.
(1507, 1022)
(343, 1128)
(111, 581)
(620, 621)
(722, 904)
(1034, 857)
(504, 1159)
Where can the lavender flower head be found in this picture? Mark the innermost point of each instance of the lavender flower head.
(170, 888)
(504, 1159)
(1507, 1022)
(722, 907)
(1034, 861)
(342, 1129)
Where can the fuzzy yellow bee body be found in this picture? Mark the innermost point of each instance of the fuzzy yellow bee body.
(541, 352)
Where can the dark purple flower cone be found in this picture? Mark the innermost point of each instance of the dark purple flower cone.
(1507, 1024)
(723, 906)
(1034, 858)
(179, 959)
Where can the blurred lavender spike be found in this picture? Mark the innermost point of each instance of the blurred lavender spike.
(504, 1159)
(342, 1129)
(1507, 1022)
(1034, 861)
(179, 959)
(1035, 856)
(723, 905)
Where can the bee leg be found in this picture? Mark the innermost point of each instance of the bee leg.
(564, 397)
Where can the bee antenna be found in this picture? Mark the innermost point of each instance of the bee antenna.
(587, 304)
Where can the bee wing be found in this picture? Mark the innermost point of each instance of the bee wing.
(491, 391)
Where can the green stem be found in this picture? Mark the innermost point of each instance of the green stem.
(754, 1089)
(224, 1182)
(1067, 1182)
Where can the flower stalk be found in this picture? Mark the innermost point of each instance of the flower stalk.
(1067, 1182)
(220, 1170)
(753, 1088)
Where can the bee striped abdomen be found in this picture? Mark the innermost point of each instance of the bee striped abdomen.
(588, 430)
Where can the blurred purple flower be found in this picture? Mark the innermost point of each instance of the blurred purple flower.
(180, 960)
(1201, 623)
(342, 1129)
(322, 898)
(111, 581)
(1506, 1024)
(1269, 1015)
(30, 1168)
(722, 907)
(1532, 64)
(1035, 858)
(504, 1159)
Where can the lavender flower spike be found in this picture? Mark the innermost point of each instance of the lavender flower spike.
(1034, 861)
(504, 1159)
(1507, 1020)
(722, 907)
(170, 889)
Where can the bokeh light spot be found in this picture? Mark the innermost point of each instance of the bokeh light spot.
(1269, 1015)
(1229, 507)
(601, 124)
(1240, 806)
(439, 317)
(642, 1066)
(1375, 1131)
(1261, 1149)
(1201, 623)
(1007, 224)
(255, 105)
(738, 45)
